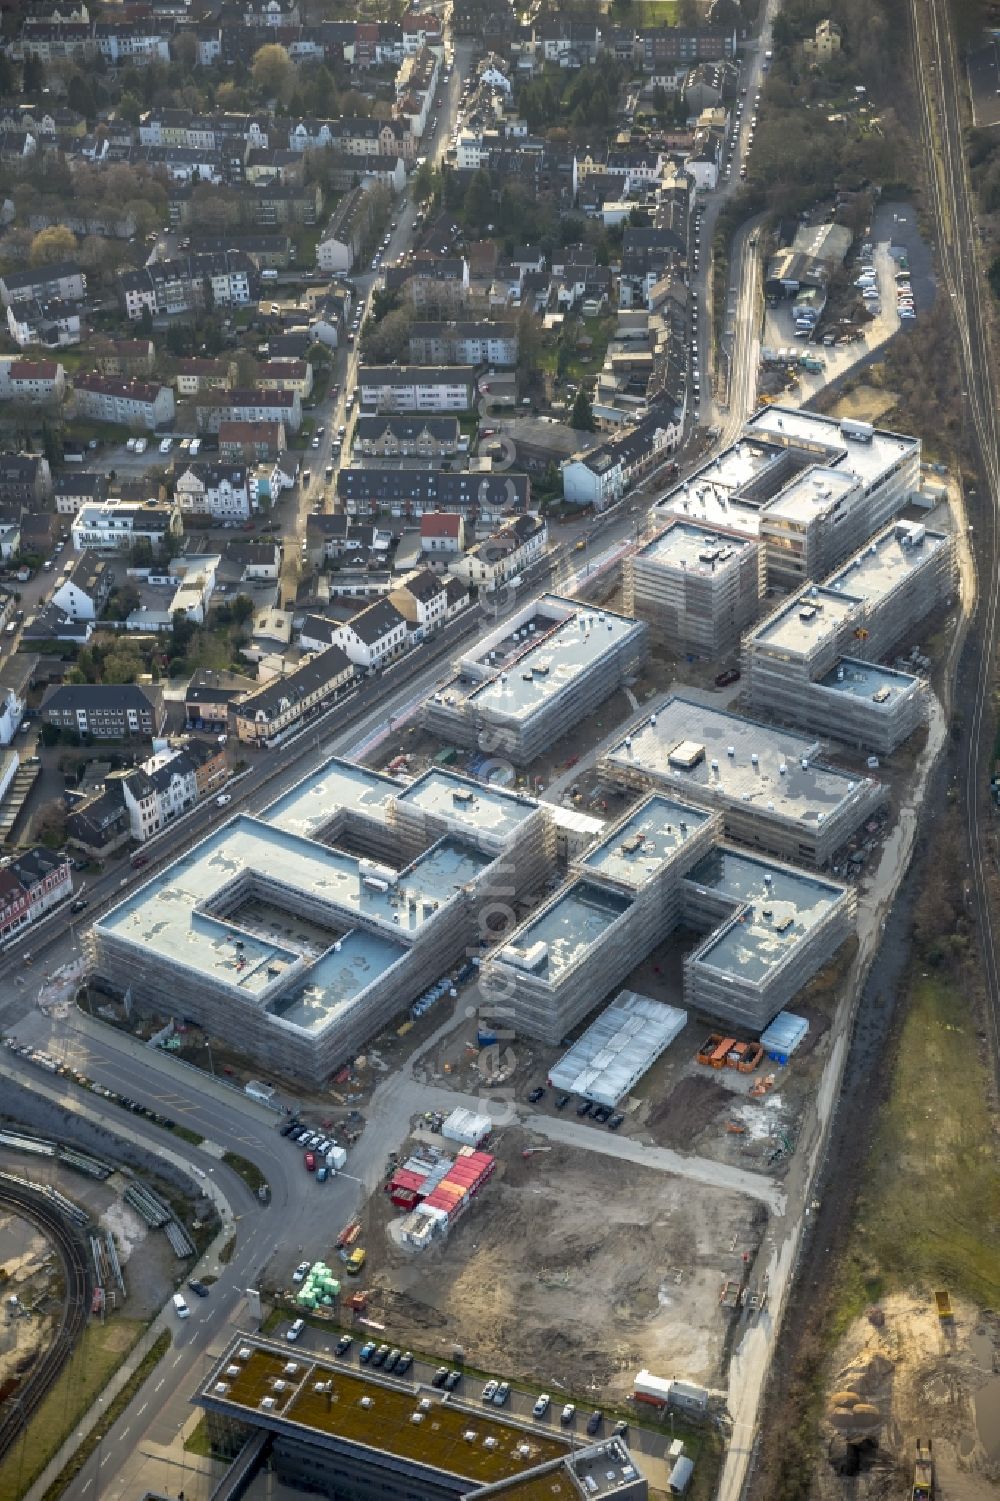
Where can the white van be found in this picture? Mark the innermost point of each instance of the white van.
(180, 1307)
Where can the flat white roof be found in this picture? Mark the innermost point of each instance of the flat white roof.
(806, 794)
(894, 556)
(813, 492)
(871, 460)
(617, 1048)
(474, 805)
(812, 614)
(312, 803)
(561, 933)
(696, 549)
(864, 679)
(553, 662)
(648, 839)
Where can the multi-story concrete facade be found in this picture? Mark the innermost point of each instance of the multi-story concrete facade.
(697, 587)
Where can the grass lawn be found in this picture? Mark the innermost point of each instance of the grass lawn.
(929, 1209)
(97, 1356)
(657, 12)
(198, 1442)
(248, 1171)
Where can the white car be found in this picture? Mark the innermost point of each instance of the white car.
(166, 445)
(299, 1274)
(224, 798)
(296, 1329)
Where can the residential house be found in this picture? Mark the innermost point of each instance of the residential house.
(249, 406)
(260, 562)
(53, 324)
(212, 489)
(416, 388)
(64, 282)
(73, 490)
(269, 715)
(333, 537)
(251, 442)
(192, 376)
(404, 492)
(492, 344)
(32, 381)
(105, 711)
(210, 694)
(374, 637)
(422, 600)
(25, 481)
(130, 358)
(84, 592)
(390, 437)
(824, 42)
(489, 564)
(32, 882)
(602, 476)
(350, 225)
(119, 524)
(286, 375)
(442, 537)
(104, 398)
(16, 675)
(100, 825)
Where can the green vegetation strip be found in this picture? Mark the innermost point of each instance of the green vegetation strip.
(98, 1354)
(114, 1411)
(186, 1134)
(248, 1171)
(930, 1204)
(198, 1442)
(226, 1254)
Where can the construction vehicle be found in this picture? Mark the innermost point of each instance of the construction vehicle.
(943, 1300)
(355, 1261)
(727, 1052)
(923, 1472)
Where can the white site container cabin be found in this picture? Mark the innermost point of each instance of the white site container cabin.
(659, 1391)
(258, 1091)
(467, 1127)
(336, 1158)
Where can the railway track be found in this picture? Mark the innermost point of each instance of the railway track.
(16, 1412)
(937, 73)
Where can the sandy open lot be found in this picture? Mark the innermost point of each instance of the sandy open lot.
(574, 1269)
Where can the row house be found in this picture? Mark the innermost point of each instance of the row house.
(269, 715)
(370, 137)
(126, 357)
(251, 442)
(426, 603)
(442, 537)
(59, 42)
(603, 475)
(391, 437)
(374, 637)
(333, 537)
(183, 283)
(658, 48)
(497, 559)
(370, 491)
(134, 45)
(221, 491)
(431, 281)
(103, 398)
(345, 171)
(349, 227)
(169, 783)
(286, 375)
(416, 388)
(194, 375)
(25, 481)
(16, 677)
(32, 882)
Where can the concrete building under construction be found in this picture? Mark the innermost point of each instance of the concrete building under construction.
(299, 934)
(810, 488)
(769, 784)
(698, 587)
(770, 928)
(529, 683)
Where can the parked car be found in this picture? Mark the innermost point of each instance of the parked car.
(79, 905)
(295, 1330)
(198, 1288)
(615, 1121)
(727, 678)
(299, 1274)
(584, 1108)
(404, 1362)
(566, 1416)
(440, 1376)
(501, 1394)
(392, 1359)
(594, 1422)
(451, 1380)
(490, 1390)
(381, 1355)
(367, 1351)
(536, 1094)
(310, 1162)
(344, 1343)
(562, 1102)
(541, 1406)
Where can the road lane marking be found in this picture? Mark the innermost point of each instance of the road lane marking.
(88, 1485)
(179, 1357)
(142, 1409)
(125, 1435)
(156, 1388)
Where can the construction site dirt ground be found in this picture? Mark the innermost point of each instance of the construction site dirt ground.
(571, 1270)
(914, 1377)
(32, 1273)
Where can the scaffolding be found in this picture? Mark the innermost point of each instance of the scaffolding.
(697, 587)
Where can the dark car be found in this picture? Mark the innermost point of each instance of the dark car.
(344, 1343)
(724, 679)
(287, 1128)
(594, 1422)
(403, 1363)
(615, 1121)
(601, 1113)
(451, 1380)
(381, 1355)
(584, 1108)
(440, 1376)
(392, 1359)
(366, 1352)
(536, 1094)
(79, 905)
(621, 1428)
(562, 1102)
(199, 1289)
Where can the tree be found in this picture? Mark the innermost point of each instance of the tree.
(242, 609)
(129, 109)
(57, 243)
(51, 445)
(185, 49)
(273, 71)
(688, 14)
(80, 96)
(477, 206)
(425, 181)
(7, 84)
(582, 415)
(34, 75)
